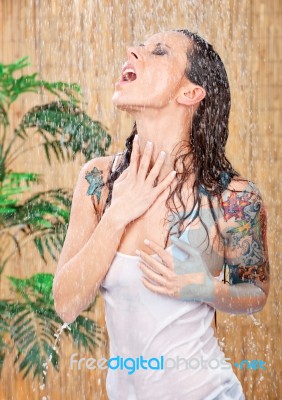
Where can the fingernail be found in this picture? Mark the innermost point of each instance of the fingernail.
(173, 173)
(135, 138)
(162, 154)
(137, 252)
(146, 241)
(149, 144)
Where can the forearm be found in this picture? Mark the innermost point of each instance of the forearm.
(78, 281)
(240, 298)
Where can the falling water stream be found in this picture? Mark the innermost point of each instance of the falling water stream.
(54, 347)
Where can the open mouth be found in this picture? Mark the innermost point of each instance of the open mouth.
(128, 75)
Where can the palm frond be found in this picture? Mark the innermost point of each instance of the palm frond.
(11, 182)
(4, 332)
(12, 186)
(42, 218)
(28, 322)
(32, 324)
(66, 130)
(12, 87)
(4, 120)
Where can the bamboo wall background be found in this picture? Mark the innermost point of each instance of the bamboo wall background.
(84, 41)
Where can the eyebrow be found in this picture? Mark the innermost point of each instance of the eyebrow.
(157, 44)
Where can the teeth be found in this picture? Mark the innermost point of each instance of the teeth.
(128, 70)
(127, 73)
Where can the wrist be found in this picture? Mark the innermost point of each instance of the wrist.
(115, 218)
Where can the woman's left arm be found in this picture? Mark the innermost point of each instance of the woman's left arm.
(245, 254)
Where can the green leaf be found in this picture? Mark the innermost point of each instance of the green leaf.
(12, 87)
(64, 126)
(32, 326)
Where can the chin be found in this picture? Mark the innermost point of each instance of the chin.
(124, 106)
(132, 105)
(121, 103)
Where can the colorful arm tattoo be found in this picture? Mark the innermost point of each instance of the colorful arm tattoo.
(247, 255)
(95, 180)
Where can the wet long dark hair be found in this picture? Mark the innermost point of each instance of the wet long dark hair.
(205, 156)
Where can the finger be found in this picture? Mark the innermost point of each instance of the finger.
(145, 161)
(162, 197)
(134, 158)
(154, 264)
(168, 180)
(154, 288)
(154, 173)
(162, 267)
(164, 255)
(122, 175)
(155, 277)
(187, 248)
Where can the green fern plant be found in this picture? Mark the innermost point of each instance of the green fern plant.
(65, 130)
(28, 321)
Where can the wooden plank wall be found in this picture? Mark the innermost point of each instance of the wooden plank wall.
(84, 41)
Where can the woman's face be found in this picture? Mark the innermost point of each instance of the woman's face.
(159, 64)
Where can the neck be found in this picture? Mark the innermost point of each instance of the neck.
(166, 130)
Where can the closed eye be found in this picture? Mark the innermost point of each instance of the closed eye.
(159, 52)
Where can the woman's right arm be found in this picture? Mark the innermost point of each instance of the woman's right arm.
(88, 250)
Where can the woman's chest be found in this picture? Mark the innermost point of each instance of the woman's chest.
(198, 228)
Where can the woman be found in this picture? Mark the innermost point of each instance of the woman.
(176, 88)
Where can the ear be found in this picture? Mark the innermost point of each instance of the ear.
(191, 95)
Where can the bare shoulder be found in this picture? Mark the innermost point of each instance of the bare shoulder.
(241, 186)
(103, 164)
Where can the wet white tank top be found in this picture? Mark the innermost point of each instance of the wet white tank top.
(143, 323)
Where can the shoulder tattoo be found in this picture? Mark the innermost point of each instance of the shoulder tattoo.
(95, 180)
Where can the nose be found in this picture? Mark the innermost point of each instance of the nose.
(133, 52)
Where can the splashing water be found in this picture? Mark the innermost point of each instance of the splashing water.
(45, 365)
(255, 321)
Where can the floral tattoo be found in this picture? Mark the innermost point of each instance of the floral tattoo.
(248, 239)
